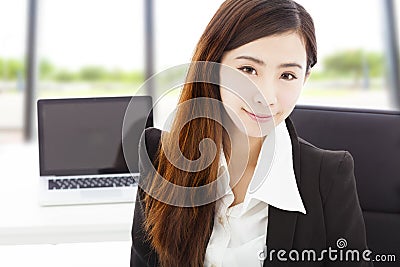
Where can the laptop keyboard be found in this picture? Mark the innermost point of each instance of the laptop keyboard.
(92, 182)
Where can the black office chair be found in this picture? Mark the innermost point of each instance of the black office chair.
(373, 139)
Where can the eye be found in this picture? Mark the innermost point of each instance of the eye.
(288, 76)
(248, 70)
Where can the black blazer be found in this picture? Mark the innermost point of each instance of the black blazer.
(326, 182)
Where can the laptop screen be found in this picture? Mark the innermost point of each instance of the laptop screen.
(83, 136)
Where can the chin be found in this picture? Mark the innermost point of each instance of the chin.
(255, 131)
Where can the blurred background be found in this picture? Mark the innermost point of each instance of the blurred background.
(60, 48)
(88, 48)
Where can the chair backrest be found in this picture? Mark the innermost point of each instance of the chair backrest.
(373, 139)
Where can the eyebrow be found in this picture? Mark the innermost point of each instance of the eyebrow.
(288, 65)
(262, 63)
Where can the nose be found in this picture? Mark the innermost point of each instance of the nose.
(267, 98)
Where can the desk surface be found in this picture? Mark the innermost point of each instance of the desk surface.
(23, 221)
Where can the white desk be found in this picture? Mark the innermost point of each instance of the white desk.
(23, 221)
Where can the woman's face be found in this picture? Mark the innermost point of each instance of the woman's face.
(277, 66)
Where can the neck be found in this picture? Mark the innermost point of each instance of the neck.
(247, 148)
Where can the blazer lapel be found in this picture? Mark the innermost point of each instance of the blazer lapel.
(282, 223)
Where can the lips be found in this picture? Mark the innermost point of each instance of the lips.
(258, 115)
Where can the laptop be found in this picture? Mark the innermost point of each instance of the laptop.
(81, 157)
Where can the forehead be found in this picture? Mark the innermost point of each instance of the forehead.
(287, 47)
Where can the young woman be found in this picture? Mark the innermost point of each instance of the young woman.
(308, 200)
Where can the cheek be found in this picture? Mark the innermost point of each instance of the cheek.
(288, 98)
(229, 99)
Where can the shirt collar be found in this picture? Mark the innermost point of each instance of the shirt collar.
(279, 188)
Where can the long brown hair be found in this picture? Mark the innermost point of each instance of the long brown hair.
(180, 235)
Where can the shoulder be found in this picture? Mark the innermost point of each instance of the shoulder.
(152, 136)
(149, 142)
(329, 157)
(311, 155)
(331, 168)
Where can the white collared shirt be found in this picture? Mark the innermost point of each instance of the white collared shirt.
(239, 232)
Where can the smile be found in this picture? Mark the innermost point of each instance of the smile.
(258, 118)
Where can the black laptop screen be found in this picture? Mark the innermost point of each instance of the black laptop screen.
(84, 136)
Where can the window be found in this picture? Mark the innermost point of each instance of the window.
(96, 48)
(351, 71)
(90, 48)
(12, 68)
(178, 27)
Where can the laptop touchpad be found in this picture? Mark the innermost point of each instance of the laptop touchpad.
(101, 193)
